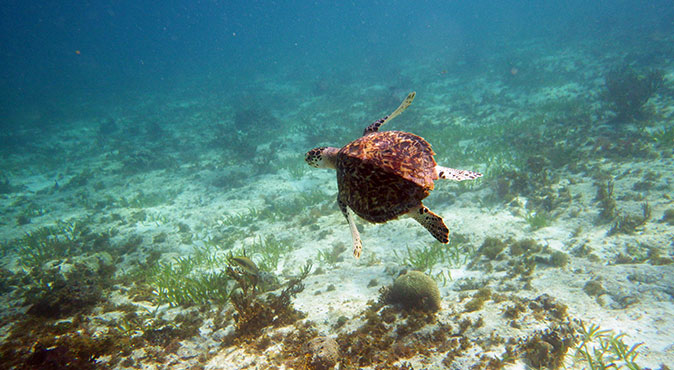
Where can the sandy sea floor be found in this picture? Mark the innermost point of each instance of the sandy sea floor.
(117, 227)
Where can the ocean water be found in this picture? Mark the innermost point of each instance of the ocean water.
(157, 211)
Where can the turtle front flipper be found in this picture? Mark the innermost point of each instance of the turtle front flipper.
(432, 222)
(456, 175)
(357, 244)
(374, 127)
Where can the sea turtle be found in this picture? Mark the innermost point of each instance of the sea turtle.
(383, 175)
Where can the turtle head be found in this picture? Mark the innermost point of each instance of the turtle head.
(322, 157)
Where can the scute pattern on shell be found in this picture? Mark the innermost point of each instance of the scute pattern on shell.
(384, 174)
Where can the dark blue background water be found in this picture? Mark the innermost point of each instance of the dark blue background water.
(53, 51)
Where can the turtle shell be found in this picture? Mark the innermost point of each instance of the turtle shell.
(383, 174)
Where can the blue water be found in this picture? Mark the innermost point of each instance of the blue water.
(102, 50)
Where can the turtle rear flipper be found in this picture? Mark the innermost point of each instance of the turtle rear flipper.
(456, 175)
(374, 127)
(432, 222)
(357, 243)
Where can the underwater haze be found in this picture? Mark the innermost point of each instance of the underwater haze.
(157, 211)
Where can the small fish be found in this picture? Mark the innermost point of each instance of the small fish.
(246, 264)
